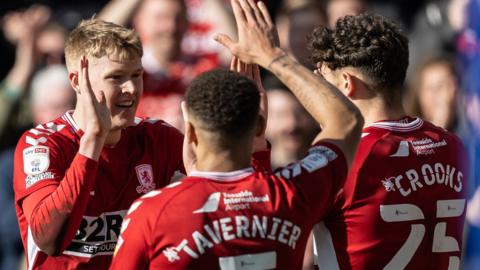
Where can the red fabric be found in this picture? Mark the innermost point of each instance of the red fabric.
(392, 197)
(66, 200)
(147, 156)
(214, 205)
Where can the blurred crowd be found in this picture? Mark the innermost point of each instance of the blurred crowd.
(177, 37)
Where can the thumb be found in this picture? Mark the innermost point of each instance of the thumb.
(225, 40)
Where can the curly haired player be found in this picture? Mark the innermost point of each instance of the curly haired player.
(403, 204)
(76, 176)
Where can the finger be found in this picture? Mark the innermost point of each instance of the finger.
(239, 15)
(225, 40)
(233, 63)
(85, 87)
(256, 11)
(256, 74)
(241, 67)
(248, 11)
(265, 14)
(248, 71)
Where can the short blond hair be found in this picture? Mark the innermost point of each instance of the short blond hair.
(98, 38)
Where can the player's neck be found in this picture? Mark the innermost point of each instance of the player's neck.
(221, 161)
(377, 109)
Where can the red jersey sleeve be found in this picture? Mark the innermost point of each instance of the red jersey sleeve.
(319, 177)
(41, 163)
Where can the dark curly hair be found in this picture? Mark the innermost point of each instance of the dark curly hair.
(224, 101)
(371, 43)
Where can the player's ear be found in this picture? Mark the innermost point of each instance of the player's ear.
(190, 132)
(74, 82)
(348, 84)
(261, 126)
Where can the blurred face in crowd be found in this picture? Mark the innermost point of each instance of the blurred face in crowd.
(290, 128)
(437, 94)
(50, 44)
(122, 83)
(339, 8)
(58, 100)
(51, 94)
(161, 23)
(293, 29)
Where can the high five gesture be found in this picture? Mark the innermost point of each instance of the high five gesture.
(258, 43)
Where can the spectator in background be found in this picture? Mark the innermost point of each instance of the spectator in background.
(295, 20)
(51, 97)
(163, 26)
(434, 30)
(290, 128)
(338, 8)
(50, 44)
(21, 29)
(436, 93)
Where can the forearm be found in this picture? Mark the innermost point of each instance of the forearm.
(340, 120)
(322, 100)
(91, 146)
(119, 11)
(9, 97)
(55, 219)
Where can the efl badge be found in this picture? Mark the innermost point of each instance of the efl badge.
(145, 177)
(36, 160)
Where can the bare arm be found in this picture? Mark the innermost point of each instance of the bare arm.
(258, 43)
(20, 28)
(119, 11)
(55, 212)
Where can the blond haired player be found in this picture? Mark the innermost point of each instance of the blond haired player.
(75, 177)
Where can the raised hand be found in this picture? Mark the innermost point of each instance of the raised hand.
(252, 71)
(257, 36)
(95, 113)
(25, 26)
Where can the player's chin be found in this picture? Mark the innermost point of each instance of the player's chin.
(123, 121)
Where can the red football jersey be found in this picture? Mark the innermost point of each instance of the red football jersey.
(148, 154)
(246, 219)
(403, 204)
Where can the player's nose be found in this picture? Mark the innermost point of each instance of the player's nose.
(129, 87)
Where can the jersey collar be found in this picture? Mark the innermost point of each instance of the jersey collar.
(69, 119)
(405, 124)
(224, 176)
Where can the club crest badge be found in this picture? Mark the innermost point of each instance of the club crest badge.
(145, 178)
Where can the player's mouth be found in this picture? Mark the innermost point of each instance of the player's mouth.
(125, 104)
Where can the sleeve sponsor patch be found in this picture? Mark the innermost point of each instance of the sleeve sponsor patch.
(36, 160)
(32, 179)
(323, 150)
(314, 161)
